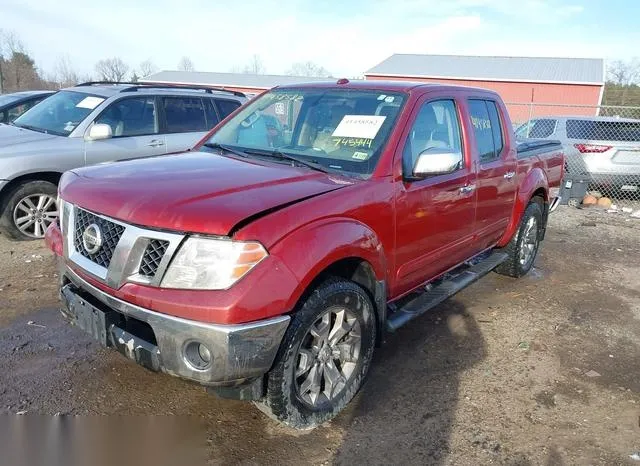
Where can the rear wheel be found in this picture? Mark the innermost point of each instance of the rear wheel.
(29, 210)
(324, 356)
(523, 247)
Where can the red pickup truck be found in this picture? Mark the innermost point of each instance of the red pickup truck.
(268, 262)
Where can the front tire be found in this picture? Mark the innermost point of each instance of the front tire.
(523, 247)
(28, 210)
(324, 357)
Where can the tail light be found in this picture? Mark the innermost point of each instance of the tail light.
(592, 148)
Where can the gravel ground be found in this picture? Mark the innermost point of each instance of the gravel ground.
(541, 370)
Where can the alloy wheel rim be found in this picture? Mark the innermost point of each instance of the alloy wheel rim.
(328, 356)
(529, 242)
(33, 214)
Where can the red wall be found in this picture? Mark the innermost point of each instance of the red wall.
(568, 96)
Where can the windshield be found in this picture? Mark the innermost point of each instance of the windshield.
(341, 130)
(60, 113)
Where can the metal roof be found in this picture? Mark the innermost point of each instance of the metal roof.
(258, 81)
(524, 69)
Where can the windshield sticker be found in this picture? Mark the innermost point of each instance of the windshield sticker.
(69, 126)
(359, 126)
(360, 156)
(353, 142)
(294, 97)
(90, 102)
(389, 99)
(382, 96)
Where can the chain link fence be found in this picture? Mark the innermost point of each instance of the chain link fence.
(602, 147)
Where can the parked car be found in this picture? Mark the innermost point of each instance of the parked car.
(95, 123)
(604, 150)
(15, 104)
(267, 265)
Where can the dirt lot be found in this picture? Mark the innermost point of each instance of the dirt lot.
(541, 370)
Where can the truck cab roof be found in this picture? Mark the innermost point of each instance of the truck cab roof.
(382, 85)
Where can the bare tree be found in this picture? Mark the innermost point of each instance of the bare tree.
(255, 66)
(185, 64)
(63, 73)
(2, 60)
(309, 69)
(112, 69)
(20, 61)
(623, 72)
(147, 67)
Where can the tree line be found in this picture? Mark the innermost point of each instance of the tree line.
(623, 83)
(19, 71)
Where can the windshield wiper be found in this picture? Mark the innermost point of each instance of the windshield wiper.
(32, 128)
(277, 154)
(224, 147)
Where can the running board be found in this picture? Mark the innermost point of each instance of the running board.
(458, 279)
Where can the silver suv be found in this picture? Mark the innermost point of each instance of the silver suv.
(605, 150)
(95, 123)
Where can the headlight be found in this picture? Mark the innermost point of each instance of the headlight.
(212, 264)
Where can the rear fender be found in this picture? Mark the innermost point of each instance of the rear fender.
(311, 249)
(535, 180)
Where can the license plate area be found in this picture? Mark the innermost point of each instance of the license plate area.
(133, 338)
(96, 322)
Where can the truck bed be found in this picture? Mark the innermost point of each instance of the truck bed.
(546, 155)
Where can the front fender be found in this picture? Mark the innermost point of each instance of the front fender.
(311, 249)
(534, 180)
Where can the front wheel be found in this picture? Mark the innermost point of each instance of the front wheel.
(324, 356)
(29, 210)
(523, 247)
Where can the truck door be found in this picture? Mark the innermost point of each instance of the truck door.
(497, 165)
(434, 215)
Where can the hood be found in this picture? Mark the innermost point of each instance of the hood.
(12, 136)
(197, 192)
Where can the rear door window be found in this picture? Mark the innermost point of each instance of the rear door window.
(603, 130)
(226, 107)
(482, 129)
(184, 114)
(496, 127)
(211, 113)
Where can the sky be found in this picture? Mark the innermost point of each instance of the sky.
(346, 37)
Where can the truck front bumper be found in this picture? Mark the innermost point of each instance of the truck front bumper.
(173, 345)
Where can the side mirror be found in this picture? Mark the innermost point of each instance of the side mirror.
(99, 131)
(436, 162)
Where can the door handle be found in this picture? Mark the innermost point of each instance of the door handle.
(509, 175)
(155, 143)
(469, 188)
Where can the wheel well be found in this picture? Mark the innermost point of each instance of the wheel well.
(51, 177)
(541, 193)
(361, 272)
(539, 196)
(353, 268)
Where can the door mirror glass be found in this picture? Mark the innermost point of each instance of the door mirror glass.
(437, 162)
(99, 131)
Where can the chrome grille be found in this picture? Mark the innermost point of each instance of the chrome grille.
(152, 257)
(111, 234)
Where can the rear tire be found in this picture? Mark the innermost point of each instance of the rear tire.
(324, 357)
(523, 247)
(28, 210)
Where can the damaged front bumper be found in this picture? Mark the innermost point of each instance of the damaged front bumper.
(236, 353)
